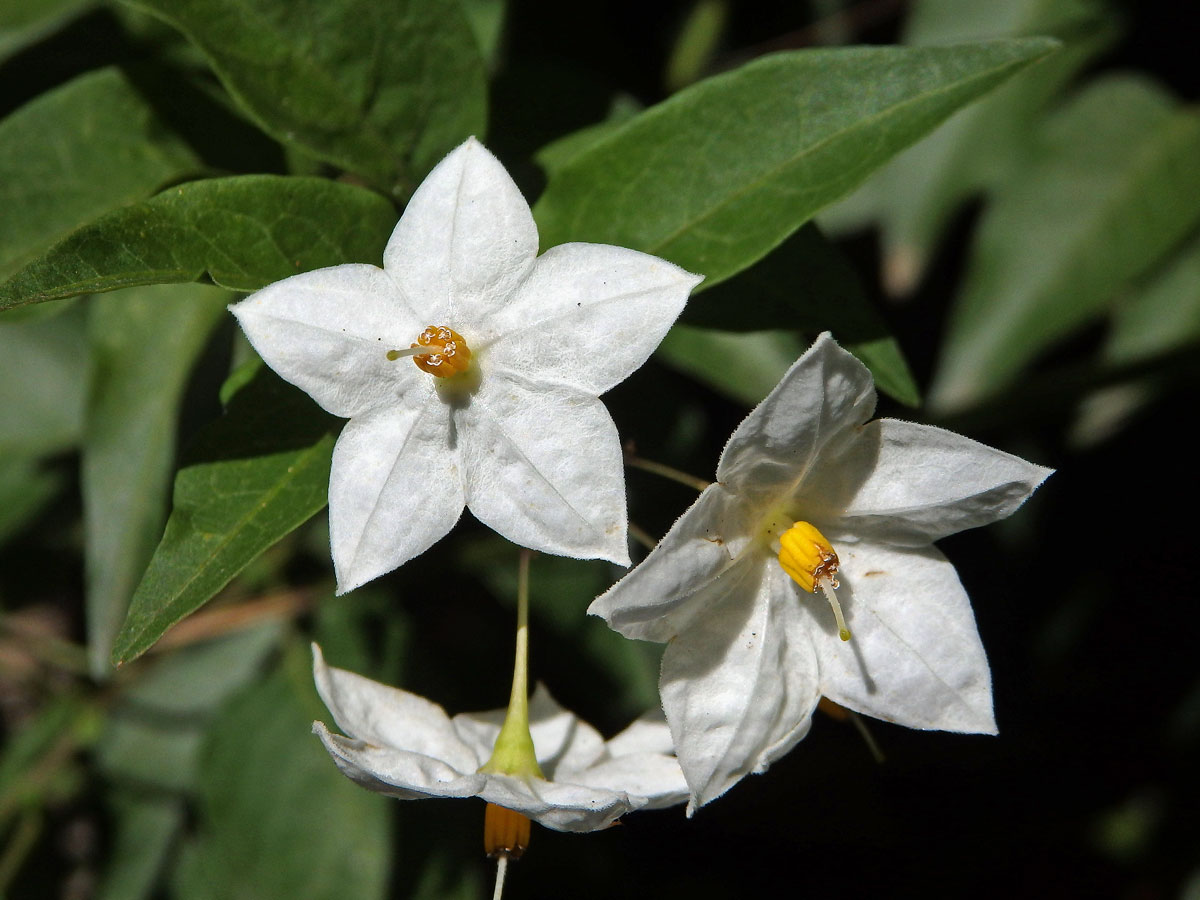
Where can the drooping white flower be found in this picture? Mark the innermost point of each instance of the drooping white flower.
(811, 499)
(497, 409)
(407, 747)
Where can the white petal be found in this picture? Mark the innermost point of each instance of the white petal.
(655, 778)
(544, 469)
(398, 773)
(915, 657)
(588, 316)
(328, 332)
(465, 241)
(648, 733)
(654, 601)
(389, 717)
(563, 807)
(740, 684)
(922, 483)
(395, 488)
(819, 401)
(564, 743)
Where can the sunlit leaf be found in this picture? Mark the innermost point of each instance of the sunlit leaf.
(720, 174)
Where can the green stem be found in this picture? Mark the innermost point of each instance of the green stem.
(514, 752)
(666, 471)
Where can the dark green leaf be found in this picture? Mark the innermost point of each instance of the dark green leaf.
(763, 357)
(1155, 319)
(144, 342)
(25, 488)
(145, 829)
(380, 89)
(244, 232)
(152, 736)
(1111, 187)
(718, 175)
(1161, 315)
(75, 153)
(806, 285)
(278, 821)
(249, 479)
(915, 194)
(24, 22)
(42, 392)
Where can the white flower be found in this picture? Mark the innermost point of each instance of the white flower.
(497, 408)
(805, 481)
(405, 746)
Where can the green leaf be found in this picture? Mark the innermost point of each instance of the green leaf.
(486, 18)
(153, 734)
(43, 390)
(252, 477)
(1110, 187)
(717, 176)
(1154, 319)
(145, 829)
(1161, 315)
(806, 284)
(915, 194)
(243, 232)
(763, 357)
(25, 22)
(25, 489)
(75, 153)
(144, 342)
(380, 89)
(277, 819)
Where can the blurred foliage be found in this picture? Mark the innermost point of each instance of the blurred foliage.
(1007, 228)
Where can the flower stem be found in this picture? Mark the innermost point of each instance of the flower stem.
(513, 753)
(665, 471)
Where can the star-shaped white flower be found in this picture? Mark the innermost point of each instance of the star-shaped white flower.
(849, 505)
(470, 368)
(406, 746)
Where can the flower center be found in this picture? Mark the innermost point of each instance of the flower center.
(809, 559)
(439, 350)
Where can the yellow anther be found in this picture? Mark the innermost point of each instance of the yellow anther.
(807, 556)
(505, 833)
(809, 559)
(439, 350)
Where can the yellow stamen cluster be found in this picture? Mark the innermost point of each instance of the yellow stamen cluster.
(439, 350)
(505, 833)
(809, 559)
